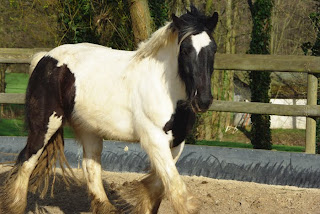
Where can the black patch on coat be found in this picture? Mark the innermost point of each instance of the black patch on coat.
(181, 123)
(50, 89)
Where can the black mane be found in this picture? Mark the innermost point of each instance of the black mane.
(193, 22)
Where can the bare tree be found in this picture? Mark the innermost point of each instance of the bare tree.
(291, 26)
(141, 19)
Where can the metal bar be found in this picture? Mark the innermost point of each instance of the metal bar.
(311, 122)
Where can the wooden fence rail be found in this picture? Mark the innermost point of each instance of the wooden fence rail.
(241, 62)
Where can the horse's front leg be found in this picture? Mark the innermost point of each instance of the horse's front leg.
(91, 164)
(153, 184)
(163, 159)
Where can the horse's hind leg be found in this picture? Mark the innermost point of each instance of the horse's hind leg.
(91, 164)
(13, 196)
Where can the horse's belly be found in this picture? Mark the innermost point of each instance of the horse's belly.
(109, 123)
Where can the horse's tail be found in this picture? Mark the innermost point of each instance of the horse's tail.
(47, 163)
(35, 59)
(12, 198)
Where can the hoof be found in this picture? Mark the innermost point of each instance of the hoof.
(186, 204)
(193, 205)
(8, 206)
(141, 198)
(103, 207)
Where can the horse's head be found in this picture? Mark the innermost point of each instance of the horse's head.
(196, 55)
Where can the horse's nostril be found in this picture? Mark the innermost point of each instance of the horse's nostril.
(204, 104)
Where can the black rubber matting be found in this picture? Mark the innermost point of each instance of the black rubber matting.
(268, 167)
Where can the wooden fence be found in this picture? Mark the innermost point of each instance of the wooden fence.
(241, 62)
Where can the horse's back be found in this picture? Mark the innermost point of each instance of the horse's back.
(89, 55)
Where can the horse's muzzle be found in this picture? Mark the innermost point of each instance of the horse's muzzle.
(201, 105)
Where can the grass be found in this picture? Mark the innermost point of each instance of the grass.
(12, 127)
(15, 127)
(282, 148)
(16, 82)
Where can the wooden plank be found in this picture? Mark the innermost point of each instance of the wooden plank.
(6, 98)
(223, 106)
(252, 62)
(311, 122)
(265, 108)
(22, 50)
(245, 62)
(18, 55)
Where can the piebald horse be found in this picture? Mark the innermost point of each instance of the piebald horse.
(149, 95)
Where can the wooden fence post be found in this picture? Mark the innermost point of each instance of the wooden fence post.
(311, 122)
(2, 85)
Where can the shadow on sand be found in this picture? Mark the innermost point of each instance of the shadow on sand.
(73, 199)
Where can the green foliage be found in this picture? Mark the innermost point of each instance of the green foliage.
(76, 17)
(159, 10)
(260, 132)
(261, 18)
(114, 25)
(307, 47)
(260, 81)
(14, 3)
(106, 23)
(27, 23)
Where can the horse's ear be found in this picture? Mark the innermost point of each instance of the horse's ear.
(194, 10)
(211, 22)
(177, 22)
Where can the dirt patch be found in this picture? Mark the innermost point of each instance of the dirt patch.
(217, 196)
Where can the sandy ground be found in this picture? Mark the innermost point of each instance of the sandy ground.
(217, 196)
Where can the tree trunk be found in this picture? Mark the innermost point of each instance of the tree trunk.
(141, 19)
(260, 81)
(224, 80)
(178, 6)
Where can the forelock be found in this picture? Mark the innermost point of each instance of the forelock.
(194, 24)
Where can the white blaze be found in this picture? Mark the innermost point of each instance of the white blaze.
(200, 40)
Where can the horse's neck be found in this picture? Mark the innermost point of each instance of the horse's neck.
(168, 57)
